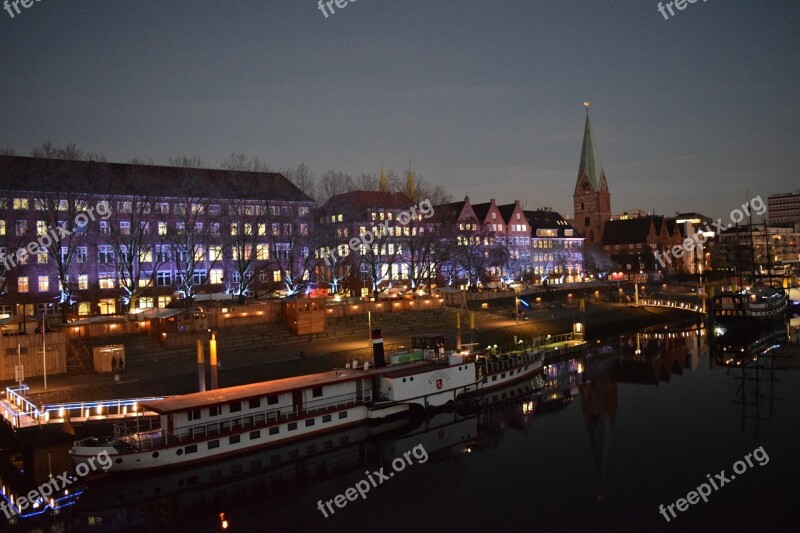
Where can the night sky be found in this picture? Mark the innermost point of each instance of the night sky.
(483, 97)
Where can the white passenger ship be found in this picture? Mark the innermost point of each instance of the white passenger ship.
(209, 425)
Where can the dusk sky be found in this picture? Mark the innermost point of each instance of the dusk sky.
(483, 97)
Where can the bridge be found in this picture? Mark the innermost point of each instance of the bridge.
(662, 302)
(21, 414)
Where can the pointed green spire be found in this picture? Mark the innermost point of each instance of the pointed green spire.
(590, 159)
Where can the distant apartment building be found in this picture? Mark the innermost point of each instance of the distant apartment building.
(758, 250)
(783, 209)
(151, 234)
(382, 251)
(503, 244)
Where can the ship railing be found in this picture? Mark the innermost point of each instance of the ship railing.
(265, 418)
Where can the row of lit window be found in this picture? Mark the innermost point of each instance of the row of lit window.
(179, 208)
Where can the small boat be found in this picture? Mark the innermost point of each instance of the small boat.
(210, 425)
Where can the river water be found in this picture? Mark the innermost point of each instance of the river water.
(639, 422)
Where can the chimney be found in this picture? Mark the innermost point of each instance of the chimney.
(377, 349)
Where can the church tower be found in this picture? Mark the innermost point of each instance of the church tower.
(591, 198)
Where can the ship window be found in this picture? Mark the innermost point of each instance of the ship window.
(316, 392)
(275, 459)
(326, 418)
(255, 435)
(234, 439)
(255, 464)
(236, 469)
(215, 474)
(294, 454)
(255, 404)
(344, 440)
(192, 448)
(235, 407)
(274, 430)
(292, 426)
(327, 445)
(503, 375)
(343, 414)
(309, 422)
(494, 378)
(272, 399)
(211, 445)
(213, 410)
(195, 414)
(311, 449)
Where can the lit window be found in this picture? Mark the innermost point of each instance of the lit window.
(276, 276)
(20, 203)
(44, 283)
(162, 228)
(83, 282)
(22, 283)
(215, 276)
(107, 306)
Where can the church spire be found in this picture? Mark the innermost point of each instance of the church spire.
(590, 159)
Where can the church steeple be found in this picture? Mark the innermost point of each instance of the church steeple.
(590, 160)
(591, 197)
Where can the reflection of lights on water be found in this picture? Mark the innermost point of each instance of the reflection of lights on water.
(223, 521)
(528, 408)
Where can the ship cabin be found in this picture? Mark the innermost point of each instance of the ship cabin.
(285, 408)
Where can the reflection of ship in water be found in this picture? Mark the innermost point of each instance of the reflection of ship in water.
(752, 358)
(176, 500)
(737, 347)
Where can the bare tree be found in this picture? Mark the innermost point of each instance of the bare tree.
(70, 152)
(333, 183)
(248, 245)
(185, 162)
(192, 244)
(136, 242)
(291, 243)
(243, 163)
(303, 178)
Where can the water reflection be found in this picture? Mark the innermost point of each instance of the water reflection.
(276, 483)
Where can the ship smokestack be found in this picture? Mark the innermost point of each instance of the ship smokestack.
(377, 349)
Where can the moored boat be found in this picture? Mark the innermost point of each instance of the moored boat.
(209, 425)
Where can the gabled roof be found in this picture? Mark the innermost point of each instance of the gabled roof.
(506, 210)
(101, 178)
(481, 210)
(590, 159)
(448, 213)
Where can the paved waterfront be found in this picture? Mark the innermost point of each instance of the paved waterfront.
(169, 373)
